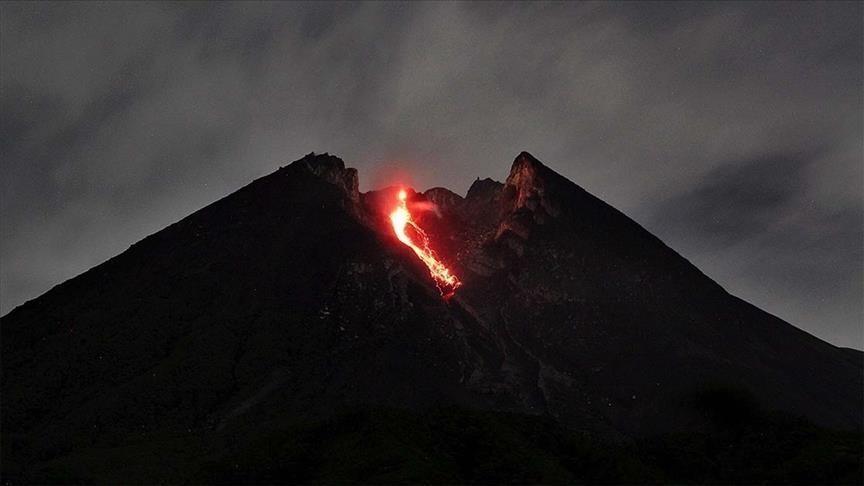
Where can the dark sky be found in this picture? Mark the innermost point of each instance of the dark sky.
(731, 130)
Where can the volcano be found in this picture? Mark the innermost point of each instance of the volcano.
(286, 333)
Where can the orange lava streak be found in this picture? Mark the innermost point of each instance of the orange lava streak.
(401, 218)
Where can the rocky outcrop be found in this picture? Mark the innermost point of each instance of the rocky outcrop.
(332, 169)
(443, 199)
(528, 187)
(484, 190)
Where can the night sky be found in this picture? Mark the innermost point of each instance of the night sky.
(733, 131)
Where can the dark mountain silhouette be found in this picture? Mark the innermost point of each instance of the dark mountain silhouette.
(284, 334)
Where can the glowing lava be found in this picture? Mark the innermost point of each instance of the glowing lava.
(401, 218)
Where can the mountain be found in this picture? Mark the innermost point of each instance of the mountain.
(287, 319)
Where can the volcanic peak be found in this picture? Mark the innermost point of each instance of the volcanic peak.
(332, 169)
(282, 302)
(527, 181)
(528, 185)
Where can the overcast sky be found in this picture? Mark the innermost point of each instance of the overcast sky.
(733, 131)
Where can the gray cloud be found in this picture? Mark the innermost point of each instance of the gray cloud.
(736, 201)
(732, 130)
(755, 226)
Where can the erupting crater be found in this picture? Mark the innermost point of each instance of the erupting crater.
(412, 236)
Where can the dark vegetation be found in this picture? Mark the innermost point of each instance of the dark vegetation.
(448, 444)
(457, 445)
(454, 445)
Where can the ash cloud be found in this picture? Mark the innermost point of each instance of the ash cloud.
(118, 119)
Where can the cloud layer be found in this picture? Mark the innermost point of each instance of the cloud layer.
(732, 131)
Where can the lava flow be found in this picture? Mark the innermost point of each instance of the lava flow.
(401, 218)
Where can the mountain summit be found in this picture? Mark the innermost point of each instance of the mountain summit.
(291, 301)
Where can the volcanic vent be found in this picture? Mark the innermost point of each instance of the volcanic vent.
(413, 236)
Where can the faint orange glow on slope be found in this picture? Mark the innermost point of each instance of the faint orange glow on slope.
(401, 218)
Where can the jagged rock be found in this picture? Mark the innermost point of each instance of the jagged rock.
(484, 189)
(332, 169)
(444, 199)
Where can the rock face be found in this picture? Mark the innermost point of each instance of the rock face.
(291, 298)
(605, 321)
(332, 169)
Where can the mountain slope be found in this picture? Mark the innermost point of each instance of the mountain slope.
(626, 328)
(276, 294)
(291, 300)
